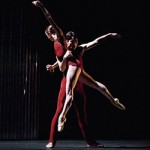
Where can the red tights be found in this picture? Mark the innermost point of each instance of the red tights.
(79, 104)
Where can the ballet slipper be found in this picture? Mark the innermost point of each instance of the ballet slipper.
(60, 126)
(117, 104)
(50, 145)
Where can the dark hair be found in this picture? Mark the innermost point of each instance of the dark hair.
(71, 34)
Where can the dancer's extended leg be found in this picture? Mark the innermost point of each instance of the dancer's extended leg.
(86, 79)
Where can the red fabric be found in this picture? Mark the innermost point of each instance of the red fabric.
(79, 101)
(60, 51)
(79, 104)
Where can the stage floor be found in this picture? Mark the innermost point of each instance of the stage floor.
(79, 145)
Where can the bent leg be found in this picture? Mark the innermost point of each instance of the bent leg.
(86, 79)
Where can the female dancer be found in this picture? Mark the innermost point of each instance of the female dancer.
(69, 64)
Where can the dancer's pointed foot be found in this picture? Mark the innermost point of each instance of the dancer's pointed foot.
(61, 123)
(50, 145)
(117, 104)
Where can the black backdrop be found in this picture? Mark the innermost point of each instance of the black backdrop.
(28, 93)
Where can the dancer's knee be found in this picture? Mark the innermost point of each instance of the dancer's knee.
(101, 86)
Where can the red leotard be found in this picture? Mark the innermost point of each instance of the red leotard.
(74, 61)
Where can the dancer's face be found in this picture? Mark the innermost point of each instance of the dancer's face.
(50, 33)
(71, 42)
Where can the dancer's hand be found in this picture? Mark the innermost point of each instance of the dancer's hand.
(49, 67)
(37, 3)
(115, 35)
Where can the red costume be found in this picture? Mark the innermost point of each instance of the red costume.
(74, 61)
(79, 103)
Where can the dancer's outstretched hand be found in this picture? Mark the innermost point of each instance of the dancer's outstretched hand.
(115, 35)
(37, 3)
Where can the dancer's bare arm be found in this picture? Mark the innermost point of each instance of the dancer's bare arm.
(51, 67)
(61, 64)
(99, 40)
(49, 18)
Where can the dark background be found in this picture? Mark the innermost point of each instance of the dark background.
(122, 65)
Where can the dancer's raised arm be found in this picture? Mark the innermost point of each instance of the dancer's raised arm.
(99, 40)
(48, 16)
